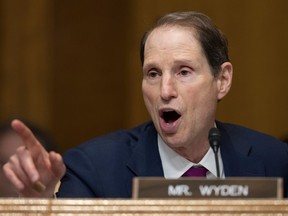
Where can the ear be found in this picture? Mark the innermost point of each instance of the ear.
(224, 80)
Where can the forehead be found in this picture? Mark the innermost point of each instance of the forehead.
(173, 40)
(171, 33)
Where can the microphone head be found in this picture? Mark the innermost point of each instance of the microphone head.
(214, 136)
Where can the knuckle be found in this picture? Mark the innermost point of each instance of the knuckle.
(20, 149)
(12, 160)
(6, 167)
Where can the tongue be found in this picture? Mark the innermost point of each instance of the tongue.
(169, 123)
(169, 127)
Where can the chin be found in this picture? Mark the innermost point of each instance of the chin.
(173, 141)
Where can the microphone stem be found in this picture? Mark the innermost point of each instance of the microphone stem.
(217, 163)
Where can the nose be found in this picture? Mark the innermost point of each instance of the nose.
(168, 88)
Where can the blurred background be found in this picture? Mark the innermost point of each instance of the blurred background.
(73, 66)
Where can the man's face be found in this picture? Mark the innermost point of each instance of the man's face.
(178, 87)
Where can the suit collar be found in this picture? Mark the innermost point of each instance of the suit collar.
(235, 155)
(145, 159)
(235, 151)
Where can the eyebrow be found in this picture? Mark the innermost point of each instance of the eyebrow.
(149, 65)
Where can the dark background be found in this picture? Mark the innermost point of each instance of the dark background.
(73, 67)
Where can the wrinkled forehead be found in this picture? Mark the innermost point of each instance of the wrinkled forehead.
(173, 27)
(160, 31)
(168, 36)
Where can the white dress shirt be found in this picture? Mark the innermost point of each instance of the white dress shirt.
(174, 165)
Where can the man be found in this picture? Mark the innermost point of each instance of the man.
(186, 72)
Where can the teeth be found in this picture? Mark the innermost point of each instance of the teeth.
(167, 110)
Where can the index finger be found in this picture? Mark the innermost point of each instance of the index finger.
(26, 134)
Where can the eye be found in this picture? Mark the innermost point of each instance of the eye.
(153, 73)
(184, 72)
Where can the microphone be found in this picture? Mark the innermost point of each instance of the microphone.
(214, 140)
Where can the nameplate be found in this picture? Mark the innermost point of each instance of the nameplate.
(234, 188)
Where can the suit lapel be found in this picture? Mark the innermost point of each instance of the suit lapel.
(145, 159)
(235, 156)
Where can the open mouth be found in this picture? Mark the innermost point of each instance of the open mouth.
(170, 116)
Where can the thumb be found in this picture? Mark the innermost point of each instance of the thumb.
(57, 165)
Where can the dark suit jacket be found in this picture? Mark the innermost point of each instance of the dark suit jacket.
(105, 166)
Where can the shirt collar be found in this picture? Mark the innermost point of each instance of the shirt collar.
(174, 165)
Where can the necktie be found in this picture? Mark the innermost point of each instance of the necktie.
(198, 171)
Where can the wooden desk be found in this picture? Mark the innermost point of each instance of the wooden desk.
(141, 207)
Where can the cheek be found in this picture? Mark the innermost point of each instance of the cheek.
(147, 96)
(202, 97)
